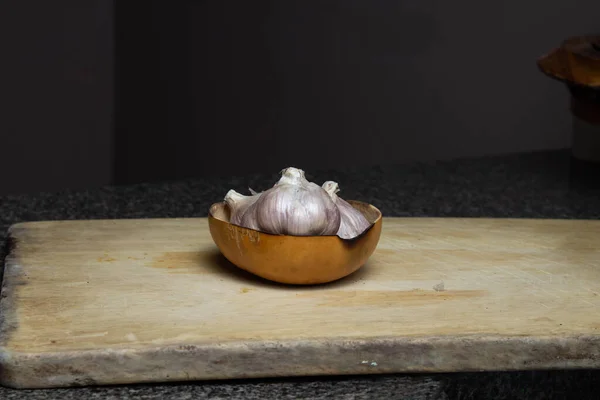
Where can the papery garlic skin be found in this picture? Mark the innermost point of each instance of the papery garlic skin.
(353, 222)
(293, 206)
(240, 207)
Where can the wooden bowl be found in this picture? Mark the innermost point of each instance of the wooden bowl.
(299, 260)
(575, 62)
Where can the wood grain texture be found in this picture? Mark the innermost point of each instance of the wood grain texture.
(124, 301)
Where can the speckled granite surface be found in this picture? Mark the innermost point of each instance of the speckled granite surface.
(531, 185)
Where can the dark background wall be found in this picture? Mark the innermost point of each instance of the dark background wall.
(56, 94)
(222, 87)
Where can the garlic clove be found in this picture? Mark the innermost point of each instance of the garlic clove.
(332, 188)
(353, 222)
(241, 208)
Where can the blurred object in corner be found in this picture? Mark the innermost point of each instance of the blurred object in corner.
(576, 63)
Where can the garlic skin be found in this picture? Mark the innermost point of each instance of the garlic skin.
(353, 222)
(293, 206)
(239, 206)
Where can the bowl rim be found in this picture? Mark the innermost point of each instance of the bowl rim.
(352, 202)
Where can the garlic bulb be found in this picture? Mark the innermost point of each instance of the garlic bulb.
(293, 206)
(353, 222)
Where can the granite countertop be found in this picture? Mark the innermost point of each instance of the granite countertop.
(536, 185)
